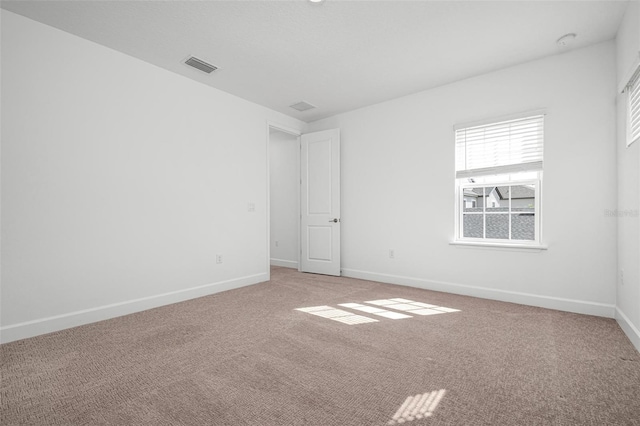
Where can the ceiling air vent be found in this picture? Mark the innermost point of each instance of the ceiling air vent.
(200, 64)
(302, 106)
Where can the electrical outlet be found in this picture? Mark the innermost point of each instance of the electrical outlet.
(218, 258)
(277, 243)
(251, 207)
(392, 254)
(621, 276)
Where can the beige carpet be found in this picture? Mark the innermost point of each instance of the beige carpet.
(248, 357)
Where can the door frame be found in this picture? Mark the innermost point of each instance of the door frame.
(297, 134)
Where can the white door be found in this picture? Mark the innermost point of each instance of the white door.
(320, 203)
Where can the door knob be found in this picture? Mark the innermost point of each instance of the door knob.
(335, 220)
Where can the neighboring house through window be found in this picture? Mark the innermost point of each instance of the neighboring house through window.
(498, 180)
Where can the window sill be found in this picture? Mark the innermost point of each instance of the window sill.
(499, 245)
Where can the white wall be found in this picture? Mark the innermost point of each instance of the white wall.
(398, 186)
(120, 183)
(284, 158)
(628, 295)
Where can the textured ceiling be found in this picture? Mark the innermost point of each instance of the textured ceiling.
(337, 55)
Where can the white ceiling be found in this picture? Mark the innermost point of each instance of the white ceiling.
(337, 55)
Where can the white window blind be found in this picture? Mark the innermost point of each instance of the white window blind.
(634, 108)
(503, 147)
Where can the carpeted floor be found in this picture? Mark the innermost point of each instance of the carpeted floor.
(248, 357)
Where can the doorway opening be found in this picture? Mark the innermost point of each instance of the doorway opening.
(284, 197)
(303, 200)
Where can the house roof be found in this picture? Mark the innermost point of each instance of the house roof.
(517, 192)
(478, 191)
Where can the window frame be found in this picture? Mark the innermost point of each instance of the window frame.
(459, 225)
(510, 179)
(630, 81)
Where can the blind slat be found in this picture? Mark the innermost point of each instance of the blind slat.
(634, 110)
(503, 147)
(514, 168)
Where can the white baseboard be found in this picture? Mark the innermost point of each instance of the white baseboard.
(568, 305)
(629, 329)
(284, 263)
(40, 326)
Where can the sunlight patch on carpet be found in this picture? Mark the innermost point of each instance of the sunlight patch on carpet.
(397, 304)
(375, 311)
(417, 308)
(417, 407)
(337, 315)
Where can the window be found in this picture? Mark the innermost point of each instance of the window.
(498, 181)
(633, 108)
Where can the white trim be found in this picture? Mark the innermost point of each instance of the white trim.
(276, 126)
(629, 329)
(499, 119)
(40, 326)
(299, 215)
(284, 263)
(268, 199)
(487, 244)
(548, 302)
